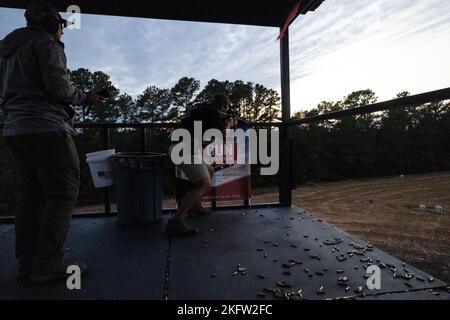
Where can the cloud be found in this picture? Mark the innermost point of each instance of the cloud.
(388, 46)
(346, 45)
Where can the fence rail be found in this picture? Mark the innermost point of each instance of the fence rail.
(410, 101)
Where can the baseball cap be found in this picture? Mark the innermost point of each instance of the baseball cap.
(38, 9)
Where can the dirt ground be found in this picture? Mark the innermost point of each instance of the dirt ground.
(385, 212)
(381, 211)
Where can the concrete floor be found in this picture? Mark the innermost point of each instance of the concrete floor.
(141, 262)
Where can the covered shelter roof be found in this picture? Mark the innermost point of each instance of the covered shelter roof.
(268, 13)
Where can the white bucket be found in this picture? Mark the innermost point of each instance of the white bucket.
(101, 167)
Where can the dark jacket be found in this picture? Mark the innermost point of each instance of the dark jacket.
(208, 115)
(210, 118)
(35, 89)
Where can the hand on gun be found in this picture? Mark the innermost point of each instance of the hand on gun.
(94, 98)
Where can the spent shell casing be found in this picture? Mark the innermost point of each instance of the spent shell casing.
(321, 290)
(359, 289)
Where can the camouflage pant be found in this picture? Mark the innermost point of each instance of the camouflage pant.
(48, 181)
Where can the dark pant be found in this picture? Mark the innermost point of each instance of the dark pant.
(182, 188)
(48, 180)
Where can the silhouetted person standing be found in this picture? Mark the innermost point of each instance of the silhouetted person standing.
(35, 97)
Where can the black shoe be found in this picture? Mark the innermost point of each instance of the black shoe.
(50, 277)
(179, 228)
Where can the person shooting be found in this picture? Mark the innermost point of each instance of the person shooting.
(214, 115)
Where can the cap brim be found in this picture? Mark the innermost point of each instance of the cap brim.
(64, 23)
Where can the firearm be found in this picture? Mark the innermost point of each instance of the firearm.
(105, 93)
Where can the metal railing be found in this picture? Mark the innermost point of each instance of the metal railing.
(289, 151)
(143, 143)
(410, 101)
(405, 102)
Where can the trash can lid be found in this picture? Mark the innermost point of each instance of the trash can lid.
(136, 159)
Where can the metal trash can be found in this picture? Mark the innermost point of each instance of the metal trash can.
(139, 183)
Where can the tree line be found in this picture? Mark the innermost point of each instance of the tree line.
(253, 101)
(409, 140)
